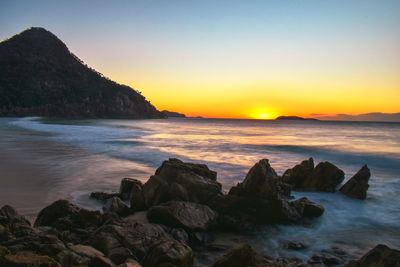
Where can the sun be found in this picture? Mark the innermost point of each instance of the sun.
(262, 114)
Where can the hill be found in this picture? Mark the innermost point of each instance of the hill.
(39, 76)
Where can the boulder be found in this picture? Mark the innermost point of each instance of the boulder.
(243, 256)
(379, 256)
(177, 180)
(136, 197)
(27, 259)
(297, 175)
(103, 196)
(325, 177)
(63, 215)
(187, 215)
(261, 182)
(121, 239)
(169, 253)
(13, 225)
(308, 208)
(117, 206)
(126, 186)
(357, 186)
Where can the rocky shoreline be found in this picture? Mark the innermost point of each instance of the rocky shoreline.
(185, 207)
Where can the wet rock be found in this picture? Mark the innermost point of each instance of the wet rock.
(308, 208)
(137, 200)
(244, 256)
(27, 259)
(117, 206)
(326, 259)
(357, 186)
(130, 263)
(261, 182)
(186, 215)
(126, 238)
(169, 253)
(379, 256)
(297, 175)
(12, 224)
(294, 245)
(325, 177)
(102, 196)
(63, 215)
(126, 186)
(177, 180)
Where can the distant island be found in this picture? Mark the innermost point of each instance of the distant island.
(294, 118)
(173, 114)
(39, 76)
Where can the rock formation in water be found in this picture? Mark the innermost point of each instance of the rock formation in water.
(357, 186)
(173, 114)
(39, 76)
(294, 118)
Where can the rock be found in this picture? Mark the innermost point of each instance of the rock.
(117, 206)
(27, 259)
(82, 255)
(130, 263)
(137, 200)
(326, 259)
(169, 253)
(186, 215)
(126, 238)
(243, 256)
(126, 186)
(12, 224)
(308, 208)
(294, 245)
(379, 256)
(261, 182)
(357, 186)
(297, 175)
(102, 196)
(175, 179)
(63, 215)
(325, 177)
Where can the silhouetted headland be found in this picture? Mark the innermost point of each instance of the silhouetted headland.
(39, 76)
(294, 118)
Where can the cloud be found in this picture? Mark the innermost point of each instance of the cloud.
(373, 116)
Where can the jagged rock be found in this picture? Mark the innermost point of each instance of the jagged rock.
(325, 177)
(12, 224)
(261, 182)
(27, 259)
(177, 180)
(308, 208)
(137, 200)
(39, 76)
(126, 238)
(243, 256)
(379, 256)
(186, 215)
(357, 186)
(63, 215)
(103, 196)
(297, 175)
(117, 206)
(169, 253)
(126, 185)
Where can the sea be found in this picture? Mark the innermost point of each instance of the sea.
(44, 160)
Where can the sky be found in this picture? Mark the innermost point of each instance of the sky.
(233, 59)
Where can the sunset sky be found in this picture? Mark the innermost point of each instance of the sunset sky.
(236, 59)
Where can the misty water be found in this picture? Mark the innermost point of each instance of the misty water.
(44, 160)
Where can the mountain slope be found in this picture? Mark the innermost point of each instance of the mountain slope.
(40, 76)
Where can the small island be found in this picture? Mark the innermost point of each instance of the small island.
(294, 118)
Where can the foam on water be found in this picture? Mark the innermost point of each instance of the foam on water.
(232, 147)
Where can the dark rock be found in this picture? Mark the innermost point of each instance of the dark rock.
(39, 76)
(379, 256)
(243, 256)
(326, 259)
(103, 196)
(261, 182)
(308, 208)
(129, 237)
(186, 215)
(173, 114)
(297, 175)
(175, 176)
(63, 215)
(294, 245)
(137, 200)
(27, 259)
(117, 206)
(12, 224)
(169, 253)
(357, 186)
(126, 185)
(325, 177)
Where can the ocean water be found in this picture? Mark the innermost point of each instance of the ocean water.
(74, 158)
